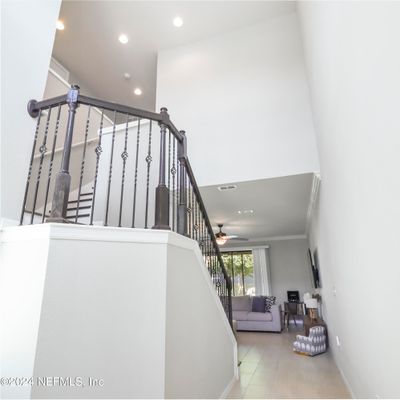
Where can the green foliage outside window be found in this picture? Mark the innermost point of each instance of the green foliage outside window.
(240, 268)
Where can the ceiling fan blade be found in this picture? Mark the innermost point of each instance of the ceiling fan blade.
(238, 238)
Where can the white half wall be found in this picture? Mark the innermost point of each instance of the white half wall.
(243, 99)
(353, 63)
(27, 35)
(98, 305)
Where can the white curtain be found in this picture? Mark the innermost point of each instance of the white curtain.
(262, 271)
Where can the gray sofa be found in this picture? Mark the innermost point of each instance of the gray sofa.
(246, 320)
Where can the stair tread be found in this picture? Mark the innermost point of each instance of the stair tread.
(80, 201)
(79, 216)
(80, 208)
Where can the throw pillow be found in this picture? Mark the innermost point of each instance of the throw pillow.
(269, 301)
(258, 304)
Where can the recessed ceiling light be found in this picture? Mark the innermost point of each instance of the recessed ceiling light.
(123, 39)
(60, 25)
(138, 91)
(178, 22)
(245, 212)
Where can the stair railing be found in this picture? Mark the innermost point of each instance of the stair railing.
(125, 193)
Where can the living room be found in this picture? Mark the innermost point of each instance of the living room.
(266, 91)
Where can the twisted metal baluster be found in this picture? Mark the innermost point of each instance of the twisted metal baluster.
(174, 195)
(28, 179)
(98, 150)
(82, 164)
(42, 150)
(136, 174)
(51, 160)
(148, 161)
(110, 169)
(124, 156)
(190, 209)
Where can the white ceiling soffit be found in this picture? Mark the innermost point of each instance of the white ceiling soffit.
(279, 206)
(89, 48)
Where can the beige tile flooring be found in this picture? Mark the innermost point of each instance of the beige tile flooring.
(270, 369)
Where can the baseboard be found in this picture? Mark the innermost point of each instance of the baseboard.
(228, 389)
(346, 382)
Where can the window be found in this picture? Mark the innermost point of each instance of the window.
(239, 265)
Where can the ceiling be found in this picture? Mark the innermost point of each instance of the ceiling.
(90, 50)
(280, 207)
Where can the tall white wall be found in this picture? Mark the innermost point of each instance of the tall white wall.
(243, 99)
(353, 63)
(27, 35)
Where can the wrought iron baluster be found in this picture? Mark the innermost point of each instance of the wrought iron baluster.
(42, 150)
(148, 161)
(53, 149)
(21, 221)
(82, 164)
(110, 169)
(173, 172)
(136, 174)
(124, 156)
(98, 150)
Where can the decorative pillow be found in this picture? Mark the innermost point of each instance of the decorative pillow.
(269, 301)
(258, 304)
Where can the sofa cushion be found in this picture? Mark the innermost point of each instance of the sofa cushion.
(258, 304)
(257, 316)
(241, 303)
(240, 315)
(269, 301)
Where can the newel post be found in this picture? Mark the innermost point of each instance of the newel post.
(63, 178)
(182, 206)
(162, 191)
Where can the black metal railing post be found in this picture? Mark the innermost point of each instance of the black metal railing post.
(182, 206)
(162, 191)
(63, 178)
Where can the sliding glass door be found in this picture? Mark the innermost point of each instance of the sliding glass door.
(239, 265)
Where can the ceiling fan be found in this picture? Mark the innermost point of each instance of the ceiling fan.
(222, 237)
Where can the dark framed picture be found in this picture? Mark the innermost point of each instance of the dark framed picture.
(314, 264)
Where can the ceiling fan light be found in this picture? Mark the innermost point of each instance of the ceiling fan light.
(221, 240)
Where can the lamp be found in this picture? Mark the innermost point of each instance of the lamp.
(312, 305)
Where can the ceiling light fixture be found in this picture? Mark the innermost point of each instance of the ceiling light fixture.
(245, 212)
(138, 91)
(60, 25)
(123, 38)
(220, 236)
(178, 22)
(127, 75)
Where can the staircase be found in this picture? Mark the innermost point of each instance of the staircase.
(80, 208)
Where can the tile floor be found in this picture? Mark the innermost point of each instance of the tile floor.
(270, 369)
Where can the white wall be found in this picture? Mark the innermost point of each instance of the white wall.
(289, 266)
(243, 100)
(27, 35)
(91, 309)
(290, 269)
(196, 339)
(353, 62)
